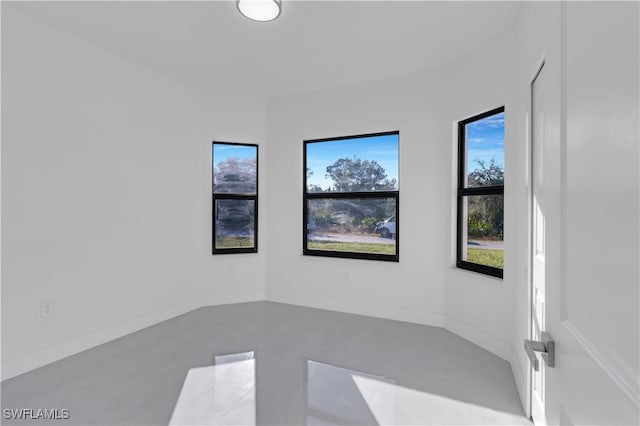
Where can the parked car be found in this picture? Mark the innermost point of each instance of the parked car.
(387, 228)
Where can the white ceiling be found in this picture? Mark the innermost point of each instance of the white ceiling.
(313, 45)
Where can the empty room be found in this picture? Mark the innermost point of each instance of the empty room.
(289, 212)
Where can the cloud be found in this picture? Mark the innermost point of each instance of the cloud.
(220, 147)
(490, 128)
(493, 122)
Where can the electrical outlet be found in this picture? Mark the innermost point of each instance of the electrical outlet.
(45, 309)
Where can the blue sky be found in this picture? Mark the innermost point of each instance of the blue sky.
(222, 152)
(485, 140)
(382, 149)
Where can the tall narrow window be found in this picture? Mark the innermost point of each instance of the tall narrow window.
(235, 198)
(481, 193)
(350, 197)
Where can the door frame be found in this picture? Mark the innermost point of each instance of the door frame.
(529, 176)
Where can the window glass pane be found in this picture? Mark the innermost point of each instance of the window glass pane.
(352, 225)
(483, 238)
(234, 223)
(354, 164)
(234, 169)
(485, 151)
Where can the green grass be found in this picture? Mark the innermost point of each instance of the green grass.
(489, 257)
(234, 242)
(353, 247)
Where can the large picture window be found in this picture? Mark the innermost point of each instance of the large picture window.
(350, 197)
(235, 198)
(481, 193)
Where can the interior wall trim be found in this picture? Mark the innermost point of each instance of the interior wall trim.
(434, 319)
(468, 332)
(30, 361)
(520, 378)
(623, 377)
(228, 298)
(475, 335)
(33, 360)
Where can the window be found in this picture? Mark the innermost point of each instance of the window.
(481, 193)
(350, 197)
(235, 198)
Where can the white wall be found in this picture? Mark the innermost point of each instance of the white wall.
(105, 194)
(425, 286)
(238, 277)
(479, 307)
(412, 289)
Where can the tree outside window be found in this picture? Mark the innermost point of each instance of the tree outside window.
(480, 245)
(235, 198)
(351, 197)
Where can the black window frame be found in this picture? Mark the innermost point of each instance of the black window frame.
(232, 196)
(306, 196)
(473, 191)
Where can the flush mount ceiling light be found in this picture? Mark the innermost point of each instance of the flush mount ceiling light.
(259, 10)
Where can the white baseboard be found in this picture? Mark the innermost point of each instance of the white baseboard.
(33, 360)
(17, 366)
(378, 311)
(481, 338)
(235, 297)
(521, 380)
(484, 340)
(620, 375)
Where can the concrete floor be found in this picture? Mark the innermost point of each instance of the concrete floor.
(275, 364)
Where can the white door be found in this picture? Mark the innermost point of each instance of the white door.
(545, 248)
(538, 268)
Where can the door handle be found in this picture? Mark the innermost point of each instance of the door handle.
(547, 348)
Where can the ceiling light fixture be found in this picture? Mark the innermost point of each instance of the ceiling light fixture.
(260, 10)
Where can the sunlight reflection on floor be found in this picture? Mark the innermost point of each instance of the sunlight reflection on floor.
(222, 394)
(225, 393)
